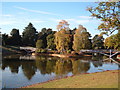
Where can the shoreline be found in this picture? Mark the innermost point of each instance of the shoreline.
(66, 77)
(62, 55)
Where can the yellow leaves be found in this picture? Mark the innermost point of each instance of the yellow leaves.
(63, 25)
(106, 12)
(112, 41)
(89, 8)
(101, 34)
(62, 40)
(81, 39)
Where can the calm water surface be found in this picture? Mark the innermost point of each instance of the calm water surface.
(19, 71)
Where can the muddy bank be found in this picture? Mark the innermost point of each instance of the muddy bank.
(63, 55)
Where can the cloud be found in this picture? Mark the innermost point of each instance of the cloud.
(35, 11)
(6, 15)
(7, 22)
(37, 21)
(77, 21)
(72, 20)
(13, 21)
(85, 17)
(81, 21)
(55, 20)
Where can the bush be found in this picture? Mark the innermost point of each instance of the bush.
(41, 51)
(39, 44)
(68, 51)
(38, 51)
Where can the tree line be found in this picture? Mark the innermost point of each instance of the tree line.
(109, 13)
(76, 39)
(64, 39)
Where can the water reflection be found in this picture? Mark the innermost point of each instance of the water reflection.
(97, 56)
(13, 65)
(62, 67)
(48, 65)
(29, 69)
(58, 67)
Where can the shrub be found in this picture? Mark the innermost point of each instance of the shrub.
(39, 44)
(43, 50)
(38, 51)
(68, 51)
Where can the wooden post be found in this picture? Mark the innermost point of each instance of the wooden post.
(110, 54)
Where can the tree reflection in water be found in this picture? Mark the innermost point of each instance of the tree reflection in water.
(12, 64)
(29, 69)
(80, 67)
(47, 65)
(97, 60)
(63, 67)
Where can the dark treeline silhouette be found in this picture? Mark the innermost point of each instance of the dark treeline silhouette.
(64, 39)
(28, 37)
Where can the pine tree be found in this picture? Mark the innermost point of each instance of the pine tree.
(29, 35)
(16, 38)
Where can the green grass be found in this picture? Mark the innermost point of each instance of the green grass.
(108, 79)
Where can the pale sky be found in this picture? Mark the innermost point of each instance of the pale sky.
(46, 15)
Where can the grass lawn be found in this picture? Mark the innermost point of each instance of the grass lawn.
(107, 79)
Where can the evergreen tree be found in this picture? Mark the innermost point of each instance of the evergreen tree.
(29, 35)
(0, 38)
(15, 37)
(5, 39)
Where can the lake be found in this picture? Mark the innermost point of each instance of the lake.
(19, 70)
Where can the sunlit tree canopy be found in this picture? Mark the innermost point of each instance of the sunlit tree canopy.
(109, 14)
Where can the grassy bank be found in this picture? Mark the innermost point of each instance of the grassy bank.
(107, 79)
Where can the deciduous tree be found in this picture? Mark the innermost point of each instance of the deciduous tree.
(43, 35)
(108, 13)
(63, 25)
(81, 39)
(50, 42)
(39, 44)
(63, 36)
(113, 42)
(98, 42)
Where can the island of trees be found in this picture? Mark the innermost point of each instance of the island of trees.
(66, 39)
